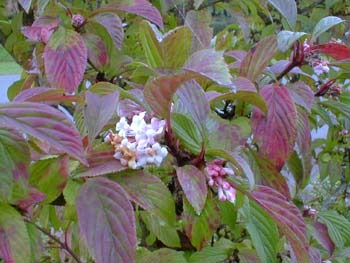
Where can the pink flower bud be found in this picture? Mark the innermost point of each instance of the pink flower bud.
(77, 20)
(222, 196)
(231, 195)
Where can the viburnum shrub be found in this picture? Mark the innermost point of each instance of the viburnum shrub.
(175, 131)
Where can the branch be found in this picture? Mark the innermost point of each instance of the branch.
(62, 244)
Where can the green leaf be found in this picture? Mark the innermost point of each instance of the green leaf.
(50, 176)
(107, 221)
(165, 233)
(187, 132)
(149, 192)
(262, 230)
(71, 190)
(200, 228)
(244, 96)
(194, 184)
(324, 24)
(14, 152)
(285, 39)
(288, 8)
(14, 239)
(221, 250)
(151, 45)
(338, 227)
(164, 255)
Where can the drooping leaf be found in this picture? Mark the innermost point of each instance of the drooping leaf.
(334, 50)
(65, 58)
(186, 132)
(285, 39)
(199, 23)
(14, 152)
(244, 96)
(50, 176)
(98, 111)
(287, 217)
(324, 24)
(192, 102)
(97, 50)
(276, 133)
(338, 227)
(322, 235)
(106, 221)
(221, 250)
(159, 92)
(262, 230)
(44, 123)
(142, 8)
(150, 193)
(258, 58)
(194, 184)
(209, 63)
(165, 233)
(288, 9)
(44, 95)
(14, 239)
(101, 161)
(164, 255)
(114, 26)
(200, 228)
(302, 94)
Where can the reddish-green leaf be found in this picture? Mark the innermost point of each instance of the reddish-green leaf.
(200, 228)
(97, 50)
(334, 50)
(114, 26)
(98, 111)
(276, 133)
(150, 193)
(50, 176)
(258, 58)
(164, 255)
(287, 217)
(209, 63)
(244, 84)
(159, 92)
(44, 95)
(288, 8)
(41, 29)
(301, 94)
(44, 123)
(220, 251)
(14, 152)
(322, 235)
(142, 8)
(194, 184)
(202, 33)
(248, 256)
(65, 58)
(106, 221)
(14, 239)
(101, 161)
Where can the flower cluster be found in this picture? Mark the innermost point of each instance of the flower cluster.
(216, 173)
(320, 66)
(136, 143)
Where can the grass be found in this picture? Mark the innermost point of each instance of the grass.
(7, 65)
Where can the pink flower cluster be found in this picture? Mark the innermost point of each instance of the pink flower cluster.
(320, 66)
(136, 143)
(216, 173)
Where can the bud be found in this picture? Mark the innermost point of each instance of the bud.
(77, 20)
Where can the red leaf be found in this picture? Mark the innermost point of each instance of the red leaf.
(41, 29)
(334, 50)
(65, 58)
(302, 94)
(287, 217)
(98, 111)
(194, 184)
(258, 58)
(276, 133)
(44, 95)
(113, 24)
(97, 50)
(323, 237)
(107, 221)
(142, 8)
(44, 123)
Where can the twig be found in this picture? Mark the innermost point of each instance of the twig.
(63, 245)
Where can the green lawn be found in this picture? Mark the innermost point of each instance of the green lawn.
(7, 64)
